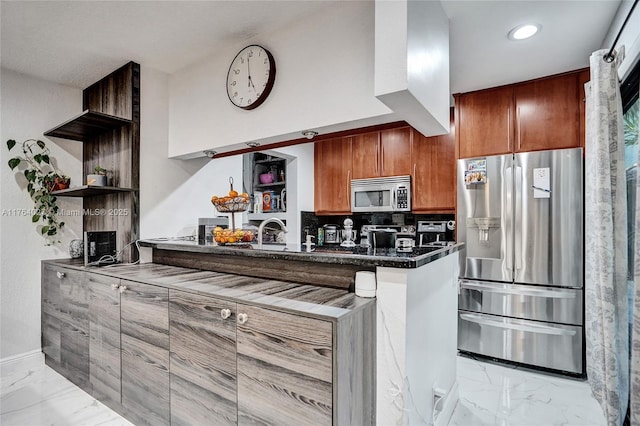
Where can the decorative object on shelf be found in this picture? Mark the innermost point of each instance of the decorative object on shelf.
(266, 178)
(99, 178)
(76, 248)
(42, 179)
(250, 77)
(232, 203)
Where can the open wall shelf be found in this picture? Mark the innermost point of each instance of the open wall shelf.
(90, 190)
(87, 125)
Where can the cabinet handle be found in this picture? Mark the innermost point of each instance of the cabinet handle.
(115, 286)
(225, 313)
(122, 288)
(60, 275)
(379, 159)
(349, 186)
(242, 318)
(414, 170)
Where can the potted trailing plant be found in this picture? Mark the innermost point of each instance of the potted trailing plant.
(99, 178)
(42, 179)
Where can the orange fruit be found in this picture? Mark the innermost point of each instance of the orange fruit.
(233, 193)
(214, 199)
(244, 195)
(231, 239)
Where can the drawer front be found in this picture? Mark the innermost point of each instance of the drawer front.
(530, 342)
(563, 305)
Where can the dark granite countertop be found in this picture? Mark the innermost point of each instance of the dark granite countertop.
(325, 254)
(308, 300)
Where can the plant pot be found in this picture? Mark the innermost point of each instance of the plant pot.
(57, 183)
(97, 180)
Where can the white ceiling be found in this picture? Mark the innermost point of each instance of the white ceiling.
(77, 42)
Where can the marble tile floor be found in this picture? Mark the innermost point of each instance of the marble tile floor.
(490, 394)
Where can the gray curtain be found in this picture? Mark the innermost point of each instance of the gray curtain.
(606, 309)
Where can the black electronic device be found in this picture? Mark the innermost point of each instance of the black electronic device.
(100, 248)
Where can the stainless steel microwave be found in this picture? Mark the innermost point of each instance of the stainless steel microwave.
(387, 194)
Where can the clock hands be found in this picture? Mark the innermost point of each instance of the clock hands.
(250, 82)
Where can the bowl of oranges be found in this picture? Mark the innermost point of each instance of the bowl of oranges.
(230, 236)
(231, 203)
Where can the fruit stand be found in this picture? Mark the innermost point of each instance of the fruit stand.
(232, 203)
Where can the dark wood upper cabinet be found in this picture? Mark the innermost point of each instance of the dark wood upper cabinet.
(485, 122)
(366, 155)
(434, 172)
(395, 152)
(381, 154)
(546, 113)
(332, 176)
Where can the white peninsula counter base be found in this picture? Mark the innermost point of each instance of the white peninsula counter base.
(417, 343)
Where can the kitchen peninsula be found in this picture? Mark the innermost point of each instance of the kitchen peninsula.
(247, 345)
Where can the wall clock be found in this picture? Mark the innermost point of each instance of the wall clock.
(251, 77)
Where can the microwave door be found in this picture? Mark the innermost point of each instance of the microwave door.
(371, 199)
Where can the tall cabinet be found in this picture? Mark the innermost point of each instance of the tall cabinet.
(109, 128)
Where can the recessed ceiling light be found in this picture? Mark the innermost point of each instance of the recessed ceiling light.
(522, 32)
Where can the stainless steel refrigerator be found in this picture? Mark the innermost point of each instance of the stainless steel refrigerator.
(521, 272)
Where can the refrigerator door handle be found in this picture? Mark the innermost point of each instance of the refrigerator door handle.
(508, 215)
(552, 294)
(532, 328)
(519, 226)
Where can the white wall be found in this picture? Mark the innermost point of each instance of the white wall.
(30, 107)
(324, 81)
(174, 193)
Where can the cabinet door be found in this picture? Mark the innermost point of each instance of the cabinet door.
(366, 155)
(144, 313)
(203, 360)
(50, 316)
(332, 174)
(74, 327)
(284, 368)
(104, 341)
(434, 176)
(395, 152)
(548, 114)
(486, 122)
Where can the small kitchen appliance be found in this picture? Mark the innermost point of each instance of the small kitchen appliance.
(387, 194)
(331, 234)
(403, 231)
(383, 238)
(348, 234)
(434, 232)
(405, 245)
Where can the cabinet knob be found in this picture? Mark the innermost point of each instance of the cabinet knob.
(60, 274)
(225, 313)
(243, 318)
(115, 286)
(122, 288)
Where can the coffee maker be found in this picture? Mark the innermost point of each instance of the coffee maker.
(434, 232)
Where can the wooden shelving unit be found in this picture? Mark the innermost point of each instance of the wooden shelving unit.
(90, 190)
(109, 129)
(87, 125)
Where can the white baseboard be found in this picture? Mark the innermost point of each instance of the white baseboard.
(32, 358)
(449, 404)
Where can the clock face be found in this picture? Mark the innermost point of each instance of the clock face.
(251, 77)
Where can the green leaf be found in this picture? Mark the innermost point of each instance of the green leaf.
(41, 144)
(38, 158)
(45, 158)
(13, 163)
(35, 218)
(11, 143)
(44, 230)
(52, 231)
(61, 224)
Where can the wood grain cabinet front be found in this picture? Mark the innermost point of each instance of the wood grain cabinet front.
(105, 359)
(144, 322)
(202, 360)
(434, 177)
(284, 368)
(65, 323)
(541, 114)
(381, 154)
(332, 176)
